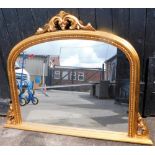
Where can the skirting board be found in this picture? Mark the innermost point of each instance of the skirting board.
(80, 132)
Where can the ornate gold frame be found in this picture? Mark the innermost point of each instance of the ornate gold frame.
(66, 26)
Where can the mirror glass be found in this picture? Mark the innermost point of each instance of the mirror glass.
(76, 83)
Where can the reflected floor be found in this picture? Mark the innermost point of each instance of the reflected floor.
(76, 109)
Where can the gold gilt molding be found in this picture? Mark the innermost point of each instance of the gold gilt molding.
(142, 129)
(64, 21)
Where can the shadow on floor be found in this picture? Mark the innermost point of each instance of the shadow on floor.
(107, 120)
(105, 104)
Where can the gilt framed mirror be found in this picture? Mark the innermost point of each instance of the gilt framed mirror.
(65, 80)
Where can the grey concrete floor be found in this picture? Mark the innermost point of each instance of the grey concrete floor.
(14, 137)
(77, 109)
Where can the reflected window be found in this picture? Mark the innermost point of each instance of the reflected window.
(81, 76)
(56, 74)
(73, 76)
(65, 75)
(110, 68)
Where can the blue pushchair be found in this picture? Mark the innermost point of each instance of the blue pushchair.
(31, 93)
(25, 99)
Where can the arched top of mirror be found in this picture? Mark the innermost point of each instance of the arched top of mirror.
(65, 26)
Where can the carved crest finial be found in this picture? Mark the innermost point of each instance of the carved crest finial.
(64, 21)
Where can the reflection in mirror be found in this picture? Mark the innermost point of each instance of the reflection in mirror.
(77, 83)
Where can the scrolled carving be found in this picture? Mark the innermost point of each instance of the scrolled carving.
(64, 21)
(142, 128)
(10, 115)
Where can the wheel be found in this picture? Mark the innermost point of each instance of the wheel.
(27, 101)
(35, 100)
(22, 101)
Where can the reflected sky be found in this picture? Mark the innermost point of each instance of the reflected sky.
(77, 53)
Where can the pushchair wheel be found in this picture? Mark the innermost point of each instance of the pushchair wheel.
(22, 101)
(35, 101)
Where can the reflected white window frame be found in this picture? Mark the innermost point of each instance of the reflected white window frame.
(65, 75)
(74, 75)
(56, 74)
(81, 74)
